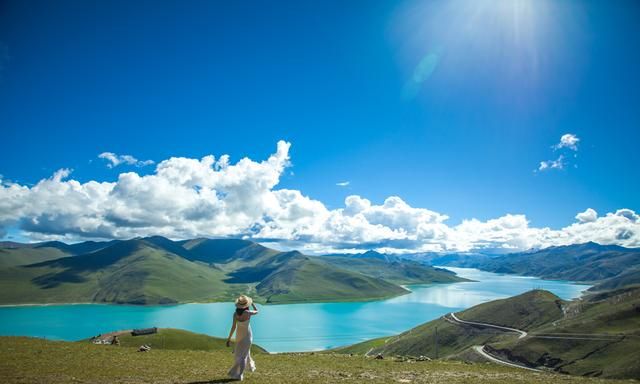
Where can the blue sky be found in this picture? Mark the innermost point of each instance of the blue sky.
(449, 105)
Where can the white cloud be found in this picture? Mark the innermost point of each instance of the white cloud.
(115, 160)
(186, 198)
(588, 216)
(568, 140)
(61, 174)
(552, 164)
(343, 184)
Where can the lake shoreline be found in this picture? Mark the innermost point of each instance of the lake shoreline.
(341, 300)
(319, 326)
(407, 287)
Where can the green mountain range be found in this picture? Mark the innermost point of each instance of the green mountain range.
(396, 270)
(588, 262)
(598, 335)
(628, 278)
(156, 270)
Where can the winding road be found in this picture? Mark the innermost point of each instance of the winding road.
(480, 349)
(522, 333)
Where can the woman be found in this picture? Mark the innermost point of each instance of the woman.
(244, 337)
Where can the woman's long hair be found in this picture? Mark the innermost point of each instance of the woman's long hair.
(240, 311)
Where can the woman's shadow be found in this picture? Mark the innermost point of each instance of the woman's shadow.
(213, 381)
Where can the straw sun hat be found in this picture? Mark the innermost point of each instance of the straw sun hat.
(243, 301)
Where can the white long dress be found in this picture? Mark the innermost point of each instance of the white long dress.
(243, 359)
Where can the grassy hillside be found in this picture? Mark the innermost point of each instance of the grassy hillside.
(526, 311)
(12, 257)
(596, 336)
(75, 249)
(156, 270)
(309, 279)
(132, 272)
(223, 251)
(629, 278)
(522, 311)
(582, 262)
(15, 254)
(178, 339)
(606, 338)
(26, 360)
(399, 272)
(421, 341)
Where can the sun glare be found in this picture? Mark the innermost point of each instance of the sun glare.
(507, 35)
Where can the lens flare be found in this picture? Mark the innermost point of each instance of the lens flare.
(505, 41)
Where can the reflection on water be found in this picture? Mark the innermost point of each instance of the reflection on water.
(486, 286)
(279, 328)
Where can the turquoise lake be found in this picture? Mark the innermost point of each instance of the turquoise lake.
(283, 328)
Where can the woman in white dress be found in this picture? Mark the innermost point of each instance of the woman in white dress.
(244, 337)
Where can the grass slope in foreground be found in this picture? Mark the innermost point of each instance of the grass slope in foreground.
(520, 311)
(175, 339)
(28, 360)
(595, 336)
(603, 333)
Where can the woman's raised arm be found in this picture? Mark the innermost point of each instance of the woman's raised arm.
(233, 329)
